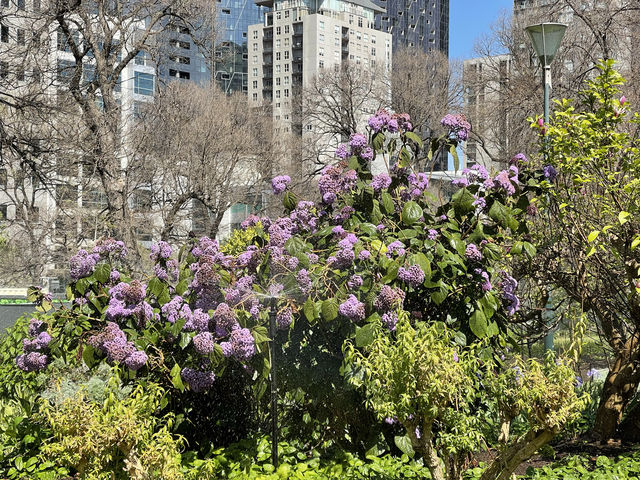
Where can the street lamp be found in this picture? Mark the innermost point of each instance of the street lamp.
(546, 38)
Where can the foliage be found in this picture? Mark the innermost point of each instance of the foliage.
(434, 389)
(588, 231)
(250, 459)
(588, 468)
(119, 437)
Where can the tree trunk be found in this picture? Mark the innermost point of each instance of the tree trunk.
(629, 429)
(424, 446)
(508, 460)
(619, 388)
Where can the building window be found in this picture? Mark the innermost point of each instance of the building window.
(278, 68)
(255, 47)
(278, 30)
(286, 29)
(277, 93)
(20, 36)
(179, 74)
(255, 72)
(143, 83)
(286, 15)
(321, 64)
(3, 213)
(321, 37)
(286, 42)
(286, 67)
(360, 21)
(226, 11)
(255, 84)
(65, 70)
(286, 80)
(4, 34)
(277, 55)
(255, 97)
(278, 15)
(286, 55)
(21, 4)
(286, 92)
(142, 58)
(321, 25)
(4, 3)
(277, 81)
(321, 51)
(180, 59)
(278, 43)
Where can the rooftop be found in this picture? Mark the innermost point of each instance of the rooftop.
(362, 3)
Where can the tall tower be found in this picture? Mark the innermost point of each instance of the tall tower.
(230, 64)
(416, 23)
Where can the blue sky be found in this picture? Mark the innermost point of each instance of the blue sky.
(468, 19)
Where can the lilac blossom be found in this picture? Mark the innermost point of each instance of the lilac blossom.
(486, 283)
(460, 182)
(110, 246)
(352, 309)
(342, 151)
(380, 182)
(508, 286)
(136, 360)
(225, 320)
(82, 264)
(390, 320)
(503, 181)
(198, 380)
(160, 250)
(396, 247)
(389, 298)
(432, 234)
(457, 125)
(284, 318)
(357, 141)
(31, 362)
(354, 281)
(550, 173)
(473, 253)
(304, 282)
(280, 183)
(364, 254)
(243, 344)
(412, 276)
(203, 343)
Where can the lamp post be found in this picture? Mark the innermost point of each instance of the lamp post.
(546, 38)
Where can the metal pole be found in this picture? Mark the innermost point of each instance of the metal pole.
(548, 339)
(274, 385)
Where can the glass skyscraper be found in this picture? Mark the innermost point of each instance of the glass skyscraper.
(234, 17)
(416, 23)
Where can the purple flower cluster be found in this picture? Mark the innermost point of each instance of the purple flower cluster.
(389, 298)
(389, 320)
(344, 257)
(396, 247)
(486, 282)
(355, 281)
(473, 253)
(304, 281)
(335, 180)
(432, 234)
(305, 217)
(392, 123)
(203, 343)
(550, 173)
(457, 125)
(381, 181)
(352, 308)
(113, 343)
(280, 183)
(509, 286)
(225, 320)
(198, 380)
(461, 182)
(82, 264)
(241, 345)
(110, 247)
(476, 173)
(160, 250)
(284, 318)
(418, 183)
(518, 159)
(412, 276)
(33, 358)
(127, 300)
(506, 179)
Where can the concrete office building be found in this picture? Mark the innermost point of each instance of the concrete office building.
(422, 24)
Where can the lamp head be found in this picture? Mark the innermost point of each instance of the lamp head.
(546, 38)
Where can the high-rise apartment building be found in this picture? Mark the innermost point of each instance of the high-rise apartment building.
(422, 24)
(299, 40)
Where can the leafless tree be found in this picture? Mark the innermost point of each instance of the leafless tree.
(208, 151)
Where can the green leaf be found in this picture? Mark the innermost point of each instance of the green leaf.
(88, 356)
(392, 273)
(176, 379)
(404, 444)
(368, 228)
(387, 203)
(329, 310)
(407, 234)
(102, 273)
(530, 249)
(378, 141)
(310, 310)
(439, 296)
(411, 213)
(295, 245)
(463, 202)
(456, 160)
(185, 339)
(181, 287)
(593, 235)
(404, 158)
(623, 217)
(260, 334)
(414, 138)
(478, 324)
(423, 262)
(365, 335)
(503, 216)
(635, 243)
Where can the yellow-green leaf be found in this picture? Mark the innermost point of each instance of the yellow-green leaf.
(593, 235)
(623, 217)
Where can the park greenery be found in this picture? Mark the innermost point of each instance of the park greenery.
(395, 345)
